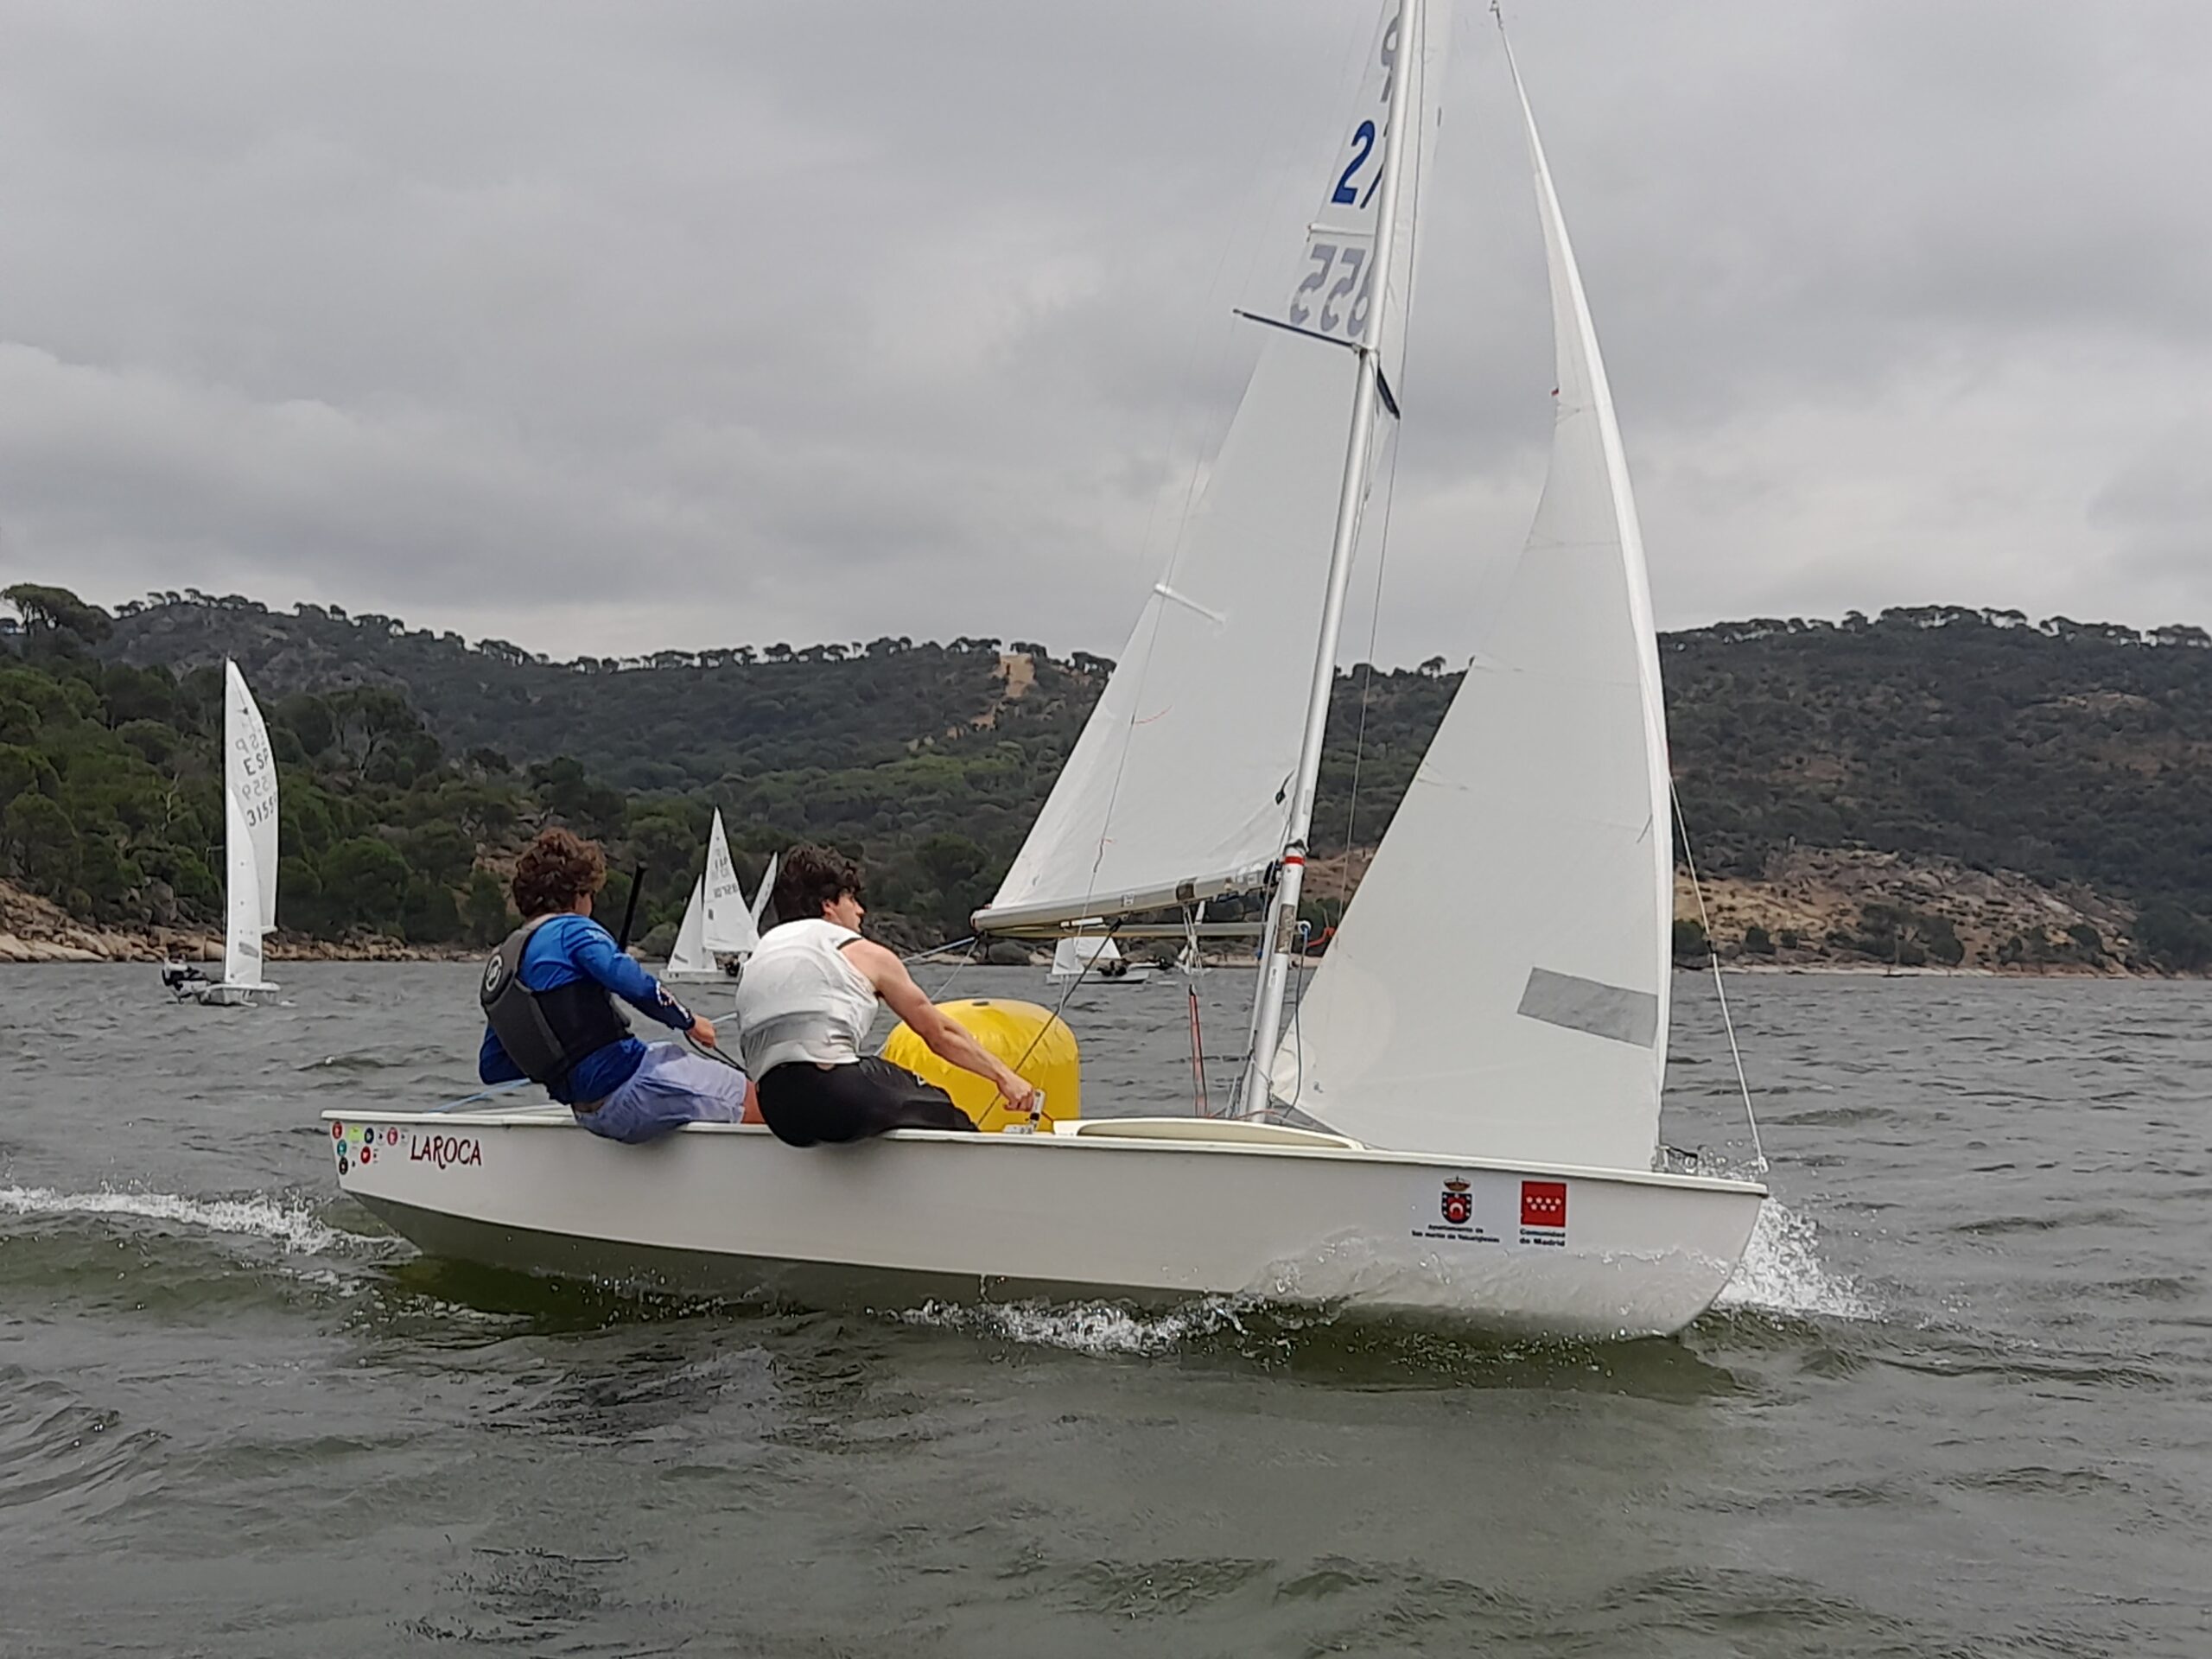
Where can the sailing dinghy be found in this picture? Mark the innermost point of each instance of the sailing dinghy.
(249, 854)
(1096, 960)
(1488, 1126)
(717, 921)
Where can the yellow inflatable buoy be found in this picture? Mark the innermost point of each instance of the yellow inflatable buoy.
(1034, 1041)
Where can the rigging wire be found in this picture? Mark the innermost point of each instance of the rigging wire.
(1712, 954)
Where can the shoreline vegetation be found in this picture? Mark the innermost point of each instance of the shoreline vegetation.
(1935, 789)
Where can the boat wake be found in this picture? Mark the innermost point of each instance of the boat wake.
(290, 1221)
(1100, 1328)
(1782, 1273)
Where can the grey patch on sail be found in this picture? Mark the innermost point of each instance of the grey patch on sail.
(1591, 1005)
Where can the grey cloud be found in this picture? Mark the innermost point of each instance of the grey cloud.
(823, 323)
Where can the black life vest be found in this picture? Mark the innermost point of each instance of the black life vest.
(546, 1034)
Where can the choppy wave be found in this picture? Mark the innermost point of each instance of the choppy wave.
(289, 1222)
(1781, 1272)
(1085, 1327)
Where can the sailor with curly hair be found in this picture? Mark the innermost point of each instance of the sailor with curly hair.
(548, 1003)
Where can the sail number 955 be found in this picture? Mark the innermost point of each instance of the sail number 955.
(1350, 267)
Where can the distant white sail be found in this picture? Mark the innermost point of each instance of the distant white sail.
(767, 889)
(250, 774)
(1072, 956)
(691, 954)
(242, 932)
(729, 922)
(1177, 788)
(1500, 982)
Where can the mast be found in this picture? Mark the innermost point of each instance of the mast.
(1280, 935)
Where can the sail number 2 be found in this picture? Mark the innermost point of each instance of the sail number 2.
(1320, 304)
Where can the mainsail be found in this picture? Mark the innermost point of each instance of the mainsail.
(726, 927)
(242, 899)
(767, 888)
(1179, 787)
(249, 775)
(1499, 984)
(1072, 956)
(690, 954)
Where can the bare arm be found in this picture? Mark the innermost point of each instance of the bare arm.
(946, 1040)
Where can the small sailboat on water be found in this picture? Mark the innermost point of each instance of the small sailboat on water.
(249, 855)
(1097, 960)
(1474, 1138)
(717, 923)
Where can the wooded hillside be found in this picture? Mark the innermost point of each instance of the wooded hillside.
(414, 762)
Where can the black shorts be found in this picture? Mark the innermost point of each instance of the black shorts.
(807, 1104)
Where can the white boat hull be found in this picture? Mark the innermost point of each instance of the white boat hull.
(1131, 976)
(225, 994)
(727, 1208)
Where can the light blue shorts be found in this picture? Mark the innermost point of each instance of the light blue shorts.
(671, 1087)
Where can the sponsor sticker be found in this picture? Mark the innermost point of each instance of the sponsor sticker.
(1490, 1207)
(1543, 1212)
(1447, 1214)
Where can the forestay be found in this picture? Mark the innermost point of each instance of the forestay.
(1178, 787)
(1499, 984)
(249, 775)
(727, 925)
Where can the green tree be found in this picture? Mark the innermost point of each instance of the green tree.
(487, 916)
(365, 883)
(42, 844)
(442, 852)
(58, 610)
(2173, 938)
(22, 769)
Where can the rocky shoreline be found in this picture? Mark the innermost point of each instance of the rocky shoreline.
(35, 929)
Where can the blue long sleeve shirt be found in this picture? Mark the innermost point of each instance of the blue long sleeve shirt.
(575, 947)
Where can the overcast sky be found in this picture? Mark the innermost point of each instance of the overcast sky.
(611, 327)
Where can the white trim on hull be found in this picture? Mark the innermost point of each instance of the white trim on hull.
(725, 1208)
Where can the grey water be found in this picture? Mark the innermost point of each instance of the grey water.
(1959, 1401)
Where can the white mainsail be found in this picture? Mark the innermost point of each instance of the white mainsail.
(1500, 982)
(242, 900)
(690, 954)
(726, 926)
(1179, 787)
(767, 889)
(1072, 956)
(250, 774)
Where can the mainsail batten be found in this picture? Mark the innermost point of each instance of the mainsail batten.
(1530, 1020)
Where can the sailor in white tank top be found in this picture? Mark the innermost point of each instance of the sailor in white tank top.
(801, 999)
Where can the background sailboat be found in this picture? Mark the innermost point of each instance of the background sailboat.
(250, 818)
(717, 921)
(1098, 955)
